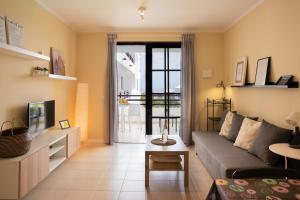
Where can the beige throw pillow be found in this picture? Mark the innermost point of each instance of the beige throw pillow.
(247, 133)
(226, 125)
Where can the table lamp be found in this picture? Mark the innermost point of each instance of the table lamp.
(294, 119)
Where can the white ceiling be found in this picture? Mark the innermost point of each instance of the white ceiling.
(161, 15)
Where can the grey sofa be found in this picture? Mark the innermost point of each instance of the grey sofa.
(220, 157)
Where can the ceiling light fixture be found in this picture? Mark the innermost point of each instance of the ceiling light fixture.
(142, 10)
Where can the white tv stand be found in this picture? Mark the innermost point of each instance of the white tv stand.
(48, 150)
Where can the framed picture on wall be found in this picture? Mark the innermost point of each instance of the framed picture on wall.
(240, 71)
(14, 33)
(262, 71)
(285, 80)
(2, 30)
(57, 62)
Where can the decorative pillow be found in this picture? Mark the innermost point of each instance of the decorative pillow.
(237, 121)
(247, 133)
(269, 134)
(226, 125)
(223, 116)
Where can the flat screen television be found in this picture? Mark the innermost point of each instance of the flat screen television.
(41, 115)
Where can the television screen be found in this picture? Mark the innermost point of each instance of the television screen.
(41, 115)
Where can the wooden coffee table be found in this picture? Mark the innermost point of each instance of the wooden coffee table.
(177, 149)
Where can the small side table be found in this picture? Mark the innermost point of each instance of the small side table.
(211, 108)
(283, 149)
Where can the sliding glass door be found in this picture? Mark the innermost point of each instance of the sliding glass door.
(148, 89)
(163, 91)
(131, 63)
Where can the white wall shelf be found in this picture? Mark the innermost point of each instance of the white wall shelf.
(22, 53)
(54, 76)
(70, 78)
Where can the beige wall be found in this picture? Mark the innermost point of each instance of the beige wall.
(272, 29)
(209, 54)
(17, 87)
(43, 30)
(149, 37)
(92, 69)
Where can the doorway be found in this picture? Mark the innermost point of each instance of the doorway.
(149, 86)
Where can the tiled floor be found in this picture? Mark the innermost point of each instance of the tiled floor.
(99, 172)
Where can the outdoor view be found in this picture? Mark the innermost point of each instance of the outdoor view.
(132, 90)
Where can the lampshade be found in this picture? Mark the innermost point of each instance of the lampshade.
(81, 110)
(293, 119)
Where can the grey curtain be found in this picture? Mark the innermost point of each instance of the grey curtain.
(112, 87)
(187, 123)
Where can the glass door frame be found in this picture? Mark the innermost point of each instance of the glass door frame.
(148, 79)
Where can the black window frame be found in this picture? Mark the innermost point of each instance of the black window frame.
(149, 79)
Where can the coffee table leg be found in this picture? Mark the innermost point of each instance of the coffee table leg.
(146, 169)
(186, 169)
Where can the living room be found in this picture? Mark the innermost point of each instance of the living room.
(149, 99)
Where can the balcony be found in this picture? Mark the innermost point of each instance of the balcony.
(132, 118)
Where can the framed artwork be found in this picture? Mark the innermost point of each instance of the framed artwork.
(284, 80)
(240, 72)
(14, 33)
(262, 71)
(2, 30)
(64, 124)
(57, 62)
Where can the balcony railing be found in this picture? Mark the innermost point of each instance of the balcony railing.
(132, 115)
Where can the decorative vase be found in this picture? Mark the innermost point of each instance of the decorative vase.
(165, 132)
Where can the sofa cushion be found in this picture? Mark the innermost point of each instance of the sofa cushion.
(222, 119)
(269, 134)
(226, 125)
(220, 157)
(247, 133)
(236, 124)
